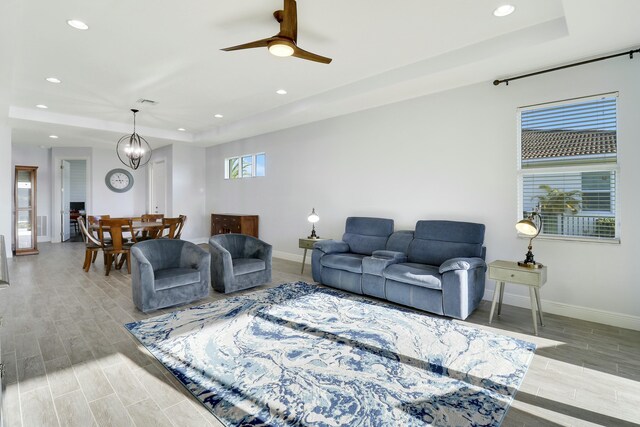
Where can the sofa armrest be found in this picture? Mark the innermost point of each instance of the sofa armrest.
(265, 252)
(380, 260)
(331, 246)
(401, 256)
(221, 266)
(462, 264)
(142, 277)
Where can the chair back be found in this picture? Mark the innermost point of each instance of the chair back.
(88, 237)
(437, 241)
(365, 235)
(170, 226)
(115, 228)
(94, 220)
(152, 217)
(183, 219)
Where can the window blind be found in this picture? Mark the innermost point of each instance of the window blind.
(571, 133)
(568, 166)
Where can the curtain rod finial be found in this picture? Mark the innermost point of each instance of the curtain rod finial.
(496, 82)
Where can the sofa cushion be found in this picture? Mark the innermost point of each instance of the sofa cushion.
(247, 265)
(347, 262)
(422, 275)
(365, 235)
(168, 278)
(438, 241)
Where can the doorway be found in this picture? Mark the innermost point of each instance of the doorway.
(73, 194)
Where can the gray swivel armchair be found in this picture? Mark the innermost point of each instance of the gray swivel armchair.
(166, 272)
(239, 262)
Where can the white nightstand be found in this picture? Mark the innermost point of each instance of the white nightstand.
(509, 271)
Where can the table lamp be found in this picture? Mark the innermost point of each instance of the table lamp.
(528, 227)
(313, 218)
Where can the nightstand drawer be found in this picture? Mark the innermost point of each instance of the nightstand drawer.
(515, 276)
(306, 243)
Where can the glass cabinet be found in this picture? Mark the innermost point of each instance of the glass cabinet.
(25, 197)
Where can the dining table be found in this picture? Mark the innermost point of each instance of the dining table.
(149, 226)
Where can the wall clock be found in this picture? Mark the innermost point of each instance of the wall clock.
(119, 180)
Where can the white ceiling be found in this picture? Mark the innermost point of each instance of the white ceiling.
(169, 52)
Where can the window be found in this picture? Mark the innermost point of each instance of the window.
(568, 167)
(246, 166)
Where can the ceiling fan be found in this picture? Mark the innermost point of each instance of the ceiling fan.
(285, 42)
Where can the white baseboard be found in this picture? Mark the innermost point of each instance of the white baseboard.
(42, 239)
(292, 257)
(620, 320)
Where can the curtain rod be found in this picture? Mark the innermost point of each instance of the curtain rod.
(562, 67)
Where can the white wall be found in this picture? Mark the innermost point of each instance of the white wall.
(105, 201)
(33, 155)
(450, 155)
(6, 186)
(188, 190)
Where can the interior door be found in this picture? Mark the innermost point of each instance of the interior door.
(159, 188)
(65, 218)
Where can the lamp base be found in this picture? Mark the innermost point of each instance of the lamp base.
(530, 264)
(313, 234)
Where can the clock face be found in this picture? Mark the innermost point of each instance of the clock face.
(119, 180)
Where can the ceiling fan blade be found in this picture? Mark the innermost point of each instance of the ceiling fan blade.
(303, 54)
(289, 23)
(250, 45)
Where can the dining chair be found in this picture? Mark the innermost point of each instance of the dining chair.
(118, 245)
(181, 226)
(94, 220)
(147, 234)
(92, 245)
(170, 226)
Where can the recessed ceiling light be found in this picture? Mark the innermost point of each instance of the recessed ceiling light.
(78, 25)
(218, 116)
(53, 136)
(181, 129)
(44, 107)
(53, 80)
(504, 10)
(281, 92)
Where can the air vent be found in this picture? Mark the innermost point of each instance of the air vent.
(41, 224)
(147, 101)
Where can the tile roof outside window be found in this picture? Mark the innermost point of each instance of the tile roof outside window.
(545, 144)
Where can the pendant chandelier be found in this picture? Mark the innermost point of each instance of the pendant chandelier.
(133, 150)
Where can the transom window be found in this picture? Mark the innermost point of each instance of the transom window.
(245, 166)
(568, 167)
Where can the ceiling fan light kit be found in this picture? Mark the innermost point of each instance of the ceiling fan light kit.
(280, 48)
(285, 43)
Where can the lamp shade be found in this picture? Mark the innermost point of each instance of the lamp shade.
(527, 227)
(313, 216)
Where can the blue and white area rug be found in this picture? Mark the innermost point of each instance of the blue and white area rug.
(303, 355)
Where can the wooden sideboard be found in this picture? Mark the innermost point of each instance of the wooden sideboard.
(234, 223)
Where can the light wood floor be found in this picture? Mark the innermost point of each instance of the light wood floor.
(70, 362)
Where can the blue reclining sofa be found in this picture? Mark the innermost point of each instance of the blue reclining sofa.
(439, 267)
